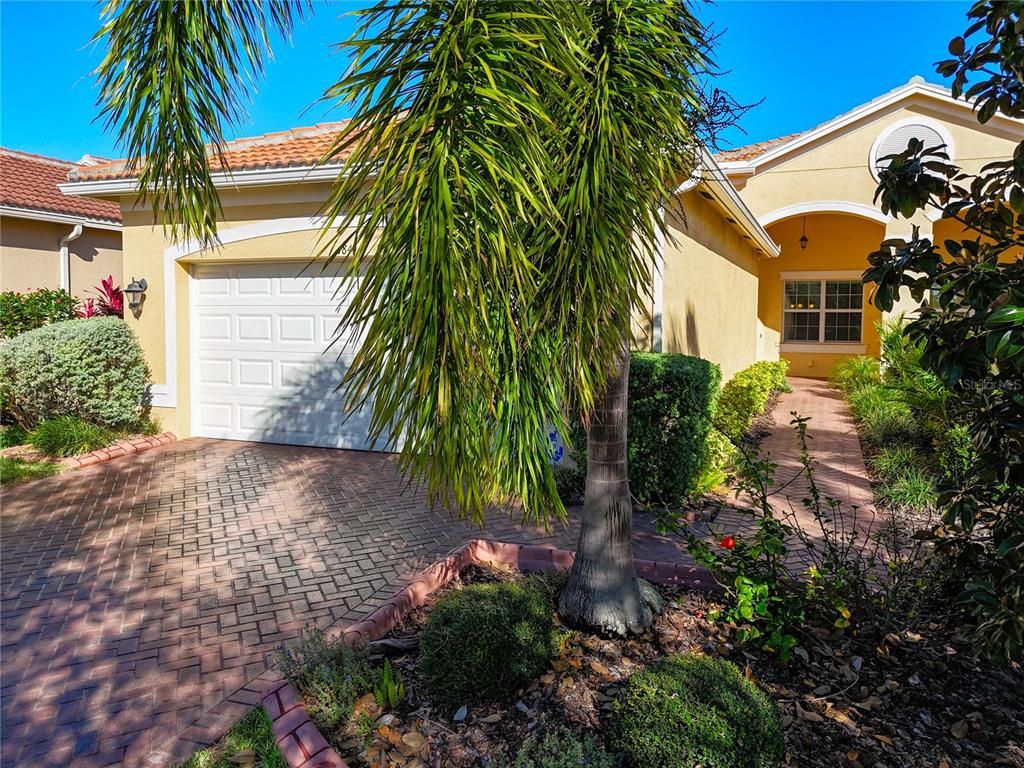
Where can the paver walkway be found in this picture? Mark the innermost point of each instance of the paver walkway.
(838, 463)
(141, 593)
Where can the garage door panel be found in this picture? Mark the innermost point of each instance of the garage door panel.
(264, 367)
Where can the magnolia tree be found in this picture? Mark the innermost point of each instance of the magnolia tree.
(972, 336)
(499, 196)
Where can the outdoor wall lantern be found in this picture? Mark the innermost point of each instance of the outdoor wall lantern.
(803, 237)
(135, 289)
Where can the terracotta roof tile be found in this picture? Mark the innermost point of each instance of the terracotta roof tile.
(299, 147)
(750, 151)
(30, 181)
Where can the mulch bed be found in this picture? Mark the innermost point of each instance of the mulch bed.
(902, 700)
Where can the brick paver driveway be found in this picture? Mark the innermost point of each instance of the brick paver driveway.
(141, 593)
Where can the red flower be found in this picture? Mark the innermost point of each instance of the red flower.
(728, 542)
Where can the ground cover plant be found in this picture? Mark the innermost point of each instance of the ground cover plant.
(14, 470)
(250, 742)
(844, 698)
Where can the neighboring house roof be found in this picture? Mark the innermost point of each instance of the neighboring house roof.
(29, 188)
(296, 148)
(750, 151)
(745, 160)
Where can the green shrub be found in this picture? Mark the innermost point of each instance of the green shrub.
(330, 675)
(486, 641)
(891, 425)
(689, 711)
(68, 436)
(90, 369)
(12, 435)
(671, 403)
(913, 487)
(855, 373)
(562, 748)
(21, 312)
(955, 453)
(892, 460)
(719, 453)
(745, 396)
(14, 471)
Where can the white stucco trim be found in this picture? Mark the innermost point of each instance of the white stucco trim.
(658, 285)
(233, 180)
(824, 206)
(935, 125)
(813, 348)
(166, 395)
(819, 274)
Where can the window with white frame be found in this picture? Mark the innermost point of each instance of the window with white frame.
(822, 311)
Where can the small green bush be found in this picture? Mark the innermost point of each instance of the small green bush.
(745, 396)
(68, 436)
(330, 675)
(955, 453)
(12, 435)
(486, 641)
(719, 453)
(21, 312)
(671, 403)
(856, 372)
(688, 711)
(892, 460)
(562, 748)
(913, 487)
(91, 369)
(14, 471)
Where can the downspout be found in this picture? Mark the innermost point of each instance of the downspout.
(658, 288)
(65, 257)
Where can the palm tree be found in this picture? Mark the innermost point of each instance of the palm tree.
(500, 199)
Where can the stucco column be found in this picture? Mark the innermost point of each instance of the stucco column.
(903, 229)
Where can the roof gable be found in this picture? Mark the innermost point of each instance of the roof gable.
(748, 159)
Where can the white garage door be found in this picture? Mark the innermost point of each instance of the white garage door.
(261, 369)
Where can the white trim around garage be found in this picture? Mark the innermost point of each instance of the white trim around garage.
(166, 395)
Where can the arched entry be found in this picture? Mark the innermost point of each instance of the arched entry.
(811, 301)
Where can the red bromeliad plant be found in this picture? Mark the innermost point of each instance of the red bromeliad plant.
(109, 301)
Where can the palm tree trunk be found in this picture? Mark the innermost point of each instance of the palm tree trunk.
(602, 591)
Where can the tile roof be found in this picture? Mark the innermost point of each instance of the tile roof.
(30, 181)
(750, 151)
(297, 148)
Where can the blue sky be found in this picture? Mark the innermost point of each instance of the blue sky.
(808, 61)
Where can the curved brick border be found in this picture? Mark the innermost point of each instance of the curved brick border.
(296, 735)
(122, 448)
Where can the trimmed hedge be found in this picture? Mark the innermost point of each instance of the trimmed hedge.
(486, 641)
(692, 711)
(745, 396)
(671, 405)
(90, 369)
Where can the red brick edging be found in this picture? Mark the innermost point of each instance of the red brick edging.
(297, 736)
(122, 448)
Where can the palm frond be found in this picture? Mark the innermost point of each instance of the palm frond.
(174, 76)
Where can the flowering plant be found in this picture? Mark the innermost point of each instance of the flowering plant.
(109, 301)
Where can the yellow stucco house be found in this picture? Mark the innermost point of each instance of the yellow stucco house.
(763, 259)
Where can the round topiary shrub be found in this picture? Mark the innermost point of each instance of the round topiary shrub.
(89, 369)
(688, 711)
(486, 641)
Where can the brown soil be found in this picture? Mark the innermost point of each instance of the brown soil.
(902, 700)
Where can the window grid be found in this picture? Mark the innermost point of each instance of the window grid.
(822, 311)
